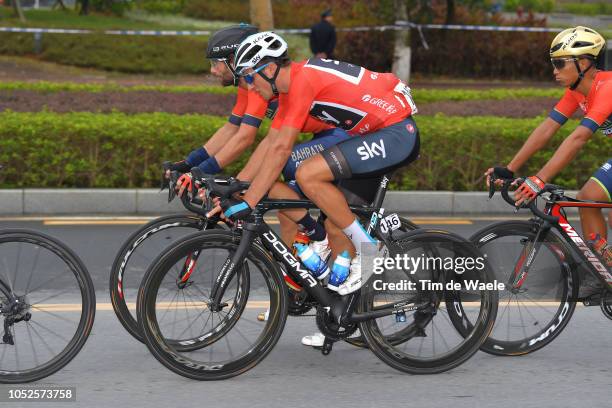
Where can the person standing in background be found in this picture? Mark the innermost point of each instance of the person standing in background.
(323, 36)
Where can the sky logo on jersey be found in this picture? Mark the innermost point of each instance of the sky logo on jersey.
(371, 150)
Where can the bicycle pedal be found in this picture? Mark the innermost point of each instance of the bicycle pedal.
(8, 339)
(327, 347)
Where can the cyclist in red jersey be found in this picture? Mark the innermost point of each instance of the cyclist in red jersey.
(574, 54)
(375, 106)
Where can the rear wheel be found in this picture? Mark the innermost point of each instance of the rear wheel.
(423, 339)
(47, 305)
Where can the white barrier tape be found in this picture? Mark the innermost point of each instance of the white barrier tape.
(399, 25)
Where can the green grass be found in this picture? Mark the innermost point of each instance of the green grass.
(421, 95)
(585, 9)
(49, 87)
(70, 19)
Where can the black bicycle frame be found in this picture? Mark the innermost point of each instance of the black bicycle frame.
(340, 307)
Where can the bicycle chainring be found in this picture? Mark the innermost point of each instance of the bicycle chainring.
(331, 329)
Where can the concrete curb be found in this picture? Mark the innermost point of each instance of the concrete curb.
(31, 202)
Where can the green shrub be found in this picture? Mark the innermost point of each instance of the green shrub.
(138, 54)
(161, 6)
(589, 9)
(118, 150)
(542, 6)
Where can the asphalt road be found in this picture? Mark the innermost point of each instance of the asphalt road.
(115, 370)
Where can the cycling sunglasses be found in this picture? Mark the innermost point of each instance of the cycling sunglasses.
(559, 63)
(250, 77)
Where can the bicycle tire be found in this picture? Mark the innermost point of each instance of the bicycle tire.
(122, 259)
(381, 344)
(85, 285)
(568, 276)
(186, 366)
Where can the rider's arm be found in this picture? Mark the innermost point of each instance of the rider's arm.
(257, 158)
(536, 141)
(543, 133)
(279, 151)
(221, 136)
(565, 153)
(232, 148)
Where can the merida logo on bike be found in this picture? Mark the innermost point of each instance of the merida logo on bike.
(368, 151)
(282, 250)
(603, 271)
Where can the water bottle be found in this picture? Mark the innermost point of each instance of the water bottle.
(300, 238)
(340, 271)
(313, 262)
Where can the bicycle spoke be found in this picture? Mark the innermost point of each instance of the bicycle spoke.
(50, 331)
(27, 289)
(32, 344)
(42, 339)
(54, 315)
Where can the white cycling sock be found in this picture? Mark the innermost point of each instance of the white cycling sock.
(358, 235)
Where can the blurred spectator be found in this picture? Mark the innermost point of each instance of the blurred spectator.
(323, 36)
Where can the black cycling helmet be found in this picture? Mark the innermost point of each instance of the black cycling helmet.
(223, 44)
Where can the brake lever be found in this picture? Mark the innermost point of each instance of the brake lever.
(165, 181)
(171, 185)
(492, 180)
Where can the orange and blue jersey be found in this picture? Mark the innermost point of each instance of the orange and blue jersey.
(596, 106)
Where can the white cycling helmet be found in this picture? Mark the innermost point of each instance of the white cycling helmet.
(256, 47)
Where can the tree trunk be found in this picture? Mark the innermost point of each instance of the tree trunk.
(450, 11)
(261, 14)
(402, 52)
(84, 7)
(19, 10)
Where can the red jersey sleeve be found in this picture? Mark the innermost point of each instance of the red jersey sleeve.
(255, 109)
(565, 108)
(239, 107)
(600, 110)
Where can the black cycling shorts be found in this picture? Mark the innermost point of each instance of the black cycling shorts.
(376, 153)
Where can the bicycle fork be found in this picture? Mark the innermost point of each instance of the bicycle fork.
(526, 258)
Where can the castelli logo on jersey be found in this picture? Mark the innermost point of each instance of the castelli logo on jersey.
(374, 76)
(366, 98)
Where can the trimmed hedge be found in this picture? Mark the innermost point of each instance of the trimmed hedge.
(421, 95)
(134, 54)
(118, 150)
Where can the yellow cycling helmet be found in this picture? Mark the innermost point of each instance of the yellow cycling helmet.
(577, 41)
(574, 43)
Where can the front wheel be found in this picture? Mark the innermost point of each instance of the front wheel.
(231, 340)
(534, 314)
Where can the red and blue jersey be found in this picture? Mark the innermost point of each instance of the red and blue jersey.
(596, 106)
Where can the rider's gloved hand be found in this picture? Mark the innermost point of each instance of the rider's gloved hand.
(184, 182)
(181, 166)
(527, 191)
(500, 173)
(235, 209)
